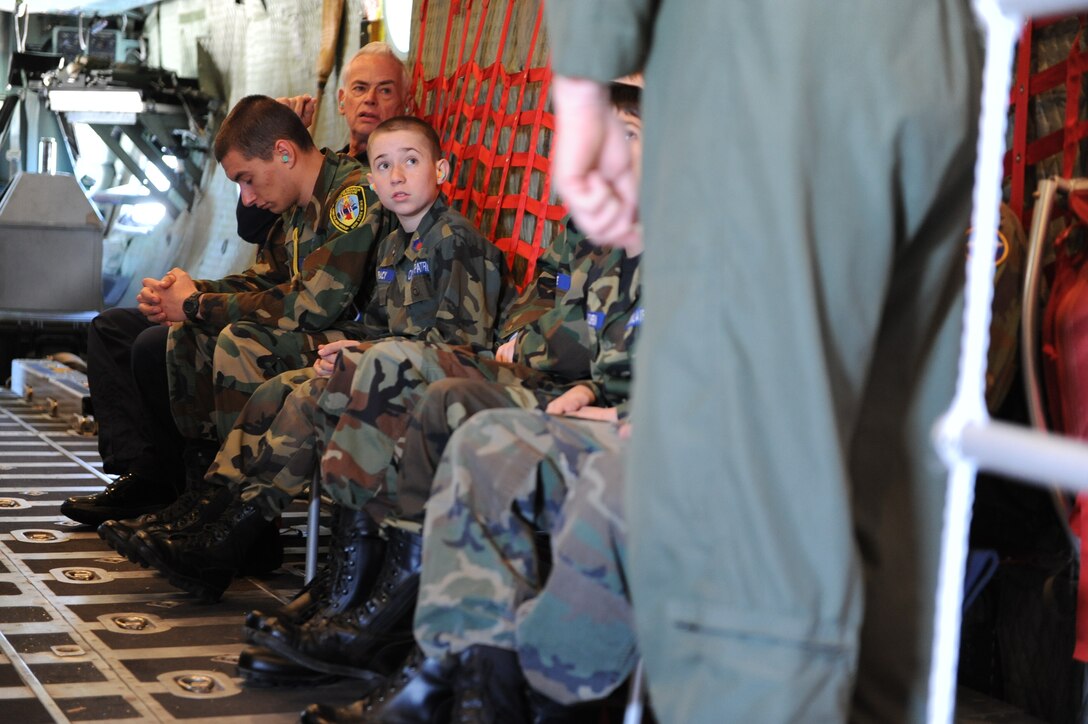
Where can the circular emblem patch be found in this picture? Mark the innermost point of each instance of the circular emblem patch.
(1002, 252)
(349, 210)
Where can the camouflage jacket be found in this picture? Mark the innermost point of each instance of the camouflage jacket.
(550, 283)
(443, 283)
(588, 336)
(558, 341)
(316, 268)
(613, 316)
(271, 267)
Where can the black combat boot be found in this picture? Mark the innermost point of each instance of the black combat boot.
(204, 562)
(356, 550)
(260, 668)
(127, 496)
(489, 688)
(363, 639)
(421, 691)
(548, 711)
(299, 609)
(200, 503)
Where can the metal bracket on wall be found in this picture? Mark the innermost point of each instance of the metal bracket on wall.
(180, 194)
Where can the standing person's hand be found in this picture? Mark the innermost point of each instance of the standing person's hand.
(592, 165)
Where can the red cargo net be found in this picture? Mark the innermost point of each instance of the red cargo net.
(1025, 153)
(495, 130)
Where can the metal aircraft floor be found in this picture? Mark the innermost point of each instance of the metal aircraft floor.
(87, 636)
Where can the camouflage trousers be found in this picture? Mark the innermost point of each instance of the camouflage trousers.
(271, 452)
(211, 374)
(362, 412)
(507, 476)
(374, 392)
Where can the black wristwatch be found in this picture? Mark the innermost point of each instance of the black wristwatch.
(191, 306)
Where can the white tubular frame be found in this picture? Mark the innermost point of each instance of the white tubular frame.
(965, 436)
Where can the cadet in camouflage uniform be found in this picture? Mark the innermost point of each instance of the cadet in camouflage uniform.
(234, 341)
(437, 278)
(507, 475)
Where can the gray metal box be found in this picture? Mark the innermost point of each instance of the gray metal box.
(50, 248)
(52, 387)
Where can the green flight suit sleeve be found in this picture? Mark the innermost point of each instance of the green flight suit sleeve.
(599, 39)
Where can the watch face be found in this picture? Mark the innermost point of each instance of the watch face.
(191, 306)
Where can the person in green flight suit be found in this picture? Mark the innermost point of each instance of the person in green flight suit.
(803, 272)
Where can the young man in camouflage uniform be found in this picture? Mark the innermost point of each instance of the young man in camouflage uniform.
(331, 234)
(437, 278)
(232, 336)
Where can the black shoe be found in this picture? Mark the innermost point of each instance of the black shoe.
(356, 551)
(198, 505)
(489, 688)
(204, 562)
(361, 640)
(197, 458)
(422, 687)
(126, 497)
(548, 711)
(260, 668)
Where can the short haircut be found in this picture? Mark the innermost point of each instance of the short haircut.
(379, 47)
(410, 123)
(626, 98)
(255, 124)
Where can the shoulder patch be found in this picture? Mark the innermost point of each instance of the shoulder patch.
(1002, 252)
(350, 208)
